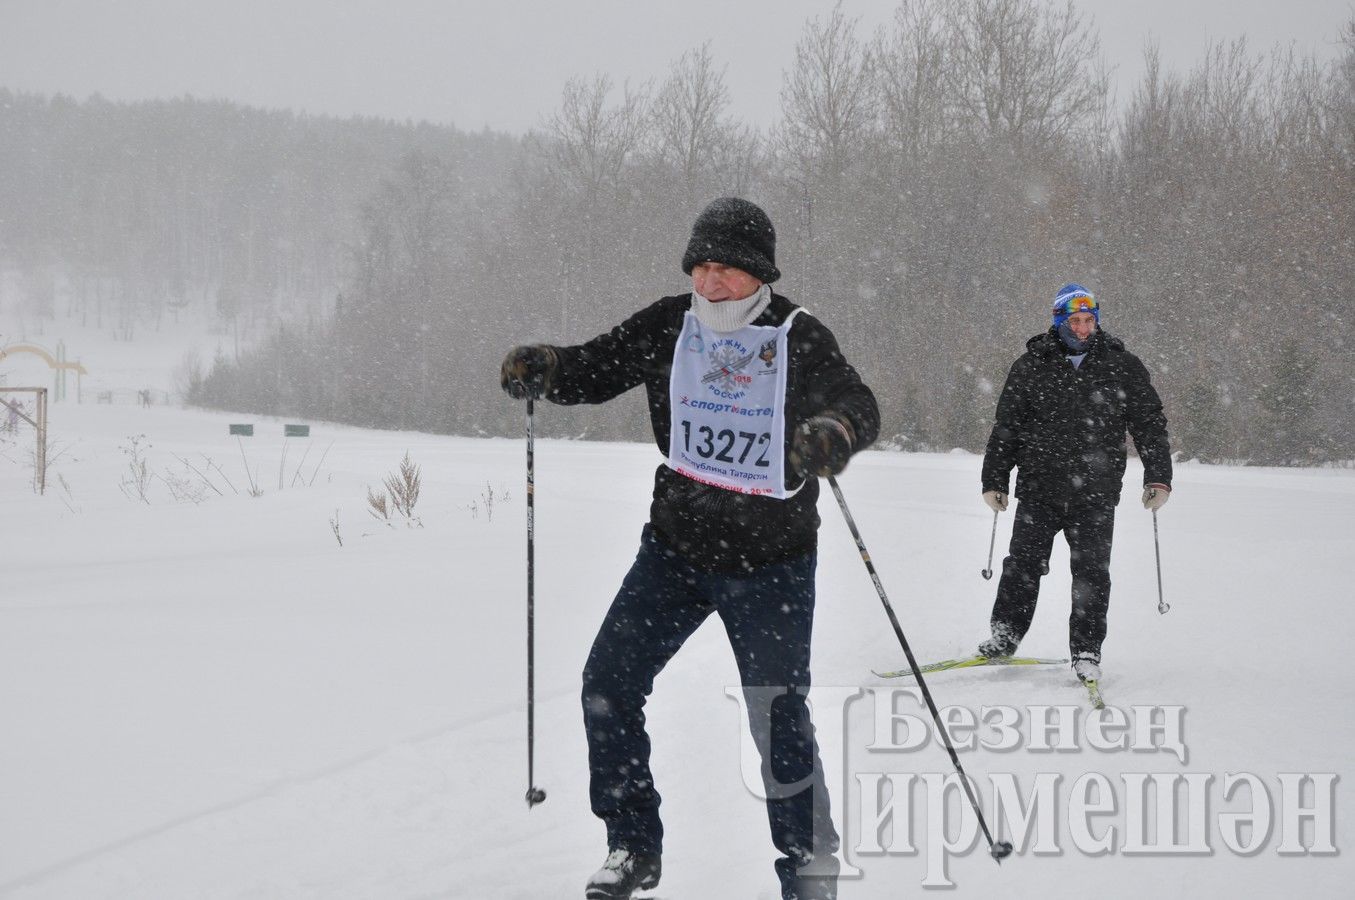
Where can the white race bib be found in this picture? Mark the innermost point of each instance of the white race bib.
(728, 399)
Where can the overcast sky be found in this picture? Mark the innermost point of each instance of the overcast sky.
(501, 63)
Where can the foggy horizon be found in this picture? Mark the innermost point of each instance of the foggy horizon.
(502, 66)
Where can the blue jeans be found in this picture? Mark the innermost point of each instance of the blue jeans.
(768, 615)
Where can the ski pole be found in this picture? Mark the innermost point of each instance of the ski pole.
(534, 794)
(999, 850)
(1162, 605)
(992, 540)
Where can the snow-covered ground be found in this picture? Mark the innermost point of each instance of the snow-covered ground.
(216, 699)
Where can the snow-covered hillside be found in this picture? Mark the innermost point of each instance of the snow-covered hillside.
(216, 699)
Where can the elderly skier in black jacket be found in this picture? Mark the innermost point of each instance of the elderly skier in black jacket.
(750, 399)
(1061, 421)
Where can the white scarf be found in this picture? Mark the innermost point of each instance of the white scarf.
(730, 315)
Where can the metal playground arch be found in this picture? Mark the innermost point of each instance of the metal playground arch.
(58, 363)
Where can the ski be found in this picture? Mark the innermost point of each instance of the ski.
(1094, 694)
(971, 661)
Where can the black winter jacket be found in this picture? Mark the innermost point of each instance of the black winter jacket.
(714, 529)
(1063, 428)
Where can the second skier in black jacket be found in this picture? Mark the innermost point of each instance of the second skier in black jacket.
(1061, 423)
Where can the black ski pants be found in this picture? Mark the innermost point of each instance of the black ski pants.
(1089, 529)
(768, 615)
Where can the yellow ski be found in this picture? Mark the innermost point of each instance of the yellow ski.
(968, 662)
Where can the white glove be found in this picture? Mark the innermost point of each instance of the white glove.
(997, 500)
(1155, 496)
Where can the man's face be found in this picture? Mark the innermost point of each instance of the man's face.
(1082, 325)
(718, 282)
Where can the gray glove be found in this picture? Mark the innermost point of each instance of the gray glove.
(996, 500)
(1155, 496)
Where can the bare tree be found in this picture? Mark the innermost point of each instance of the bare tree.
(591, 141)
(828, 97)
(692, 138)
(412, 239)
(910, 64)
(1298, 119)
(739, 160)
(686, 111)
(1342, 100)
(1146, 127)
(1022, 70)
(1222, 90)
(590, 146)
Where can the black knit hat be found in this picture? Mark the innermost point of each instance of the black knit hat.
(736, 233)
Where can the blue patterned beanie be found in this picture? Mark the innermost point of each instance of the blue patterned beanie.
(1074, 298)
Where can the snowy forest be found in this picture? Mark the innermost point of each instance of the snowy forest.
(932, 184)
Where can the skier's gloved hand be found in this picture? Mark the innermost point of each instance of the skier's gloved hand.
(527, 371)
(820, 446)
(996, 500)
(1155, 496)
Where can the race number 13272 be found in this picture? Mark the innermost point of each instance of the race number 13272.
(726, 445)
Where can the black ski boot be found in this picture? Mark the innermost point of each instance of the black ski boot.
(623, 874)
(1002, 643)
(995, 649)
(803, 880)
